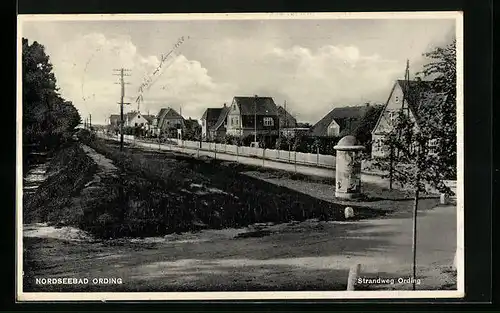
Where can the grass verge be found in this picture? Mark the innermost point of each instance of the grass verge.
(159, 193)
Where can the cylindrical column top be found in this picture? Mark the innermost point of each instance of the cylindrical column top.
(348, 143)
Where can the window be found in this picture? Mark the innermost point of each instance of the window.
(333, 130)
(268, 121)
(396, 99)
(392, 116)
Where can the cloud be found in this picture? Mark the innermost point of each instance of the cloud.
(314, 81)
(311, 81)
(84, 69)
(313, 65)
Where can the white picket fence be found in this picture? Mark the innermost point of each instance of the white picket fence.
(319, 160)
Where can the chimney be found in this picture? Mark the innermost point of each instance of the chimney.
(224, 104)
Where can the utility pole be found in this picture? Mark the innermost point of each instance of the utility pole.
(122, 83)
(255, 121)
(90, 121)
(415, 209)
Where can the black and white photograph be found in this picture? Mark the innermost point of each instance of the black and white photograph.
(240, 156)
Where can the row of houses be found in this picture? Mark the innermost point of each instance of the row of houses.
(167, 119)
(258, 115)
(239, 118)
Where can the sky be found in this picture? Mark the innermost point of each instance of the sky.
(314, 65)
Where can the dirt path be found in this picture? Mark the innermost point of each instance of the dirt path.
(106, 166)
(310, 255)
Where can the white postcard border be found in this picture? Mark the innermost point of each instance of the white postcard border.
(267, 295)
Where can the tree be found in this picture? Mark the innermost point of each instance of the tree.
(412, 167)
(192, 130)
(363, 132)
(48, 119)
(442, 70)
(423, 146)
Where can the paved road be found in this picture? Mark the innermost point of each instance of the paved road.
(298, 168)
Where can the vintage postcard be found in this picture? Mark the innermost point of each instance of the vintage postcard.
(240, 156)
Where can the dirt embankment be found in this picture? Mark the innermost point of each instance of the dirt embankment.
(158, 193)
(152, 193)
(57, 198)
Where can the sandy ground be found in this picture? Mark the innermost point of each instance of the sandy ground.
(311, 255)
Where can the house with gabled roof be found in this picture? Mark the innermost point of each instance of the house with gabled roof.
(409, 97)
(286, 119)
(219, 129)
(168, 119)
(248, 115)
(340, 120)
(136, 119)
(208, 120)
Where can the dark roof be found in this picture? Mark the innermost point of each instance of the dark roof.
(355, 113)
(167, 113)
(130, 115)
(211, 114)
(264, 105)
(419, 94)
(190, 123)
(285, 115)
(221, 119)
(114, 118)
(149, 118)
(415, 91)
